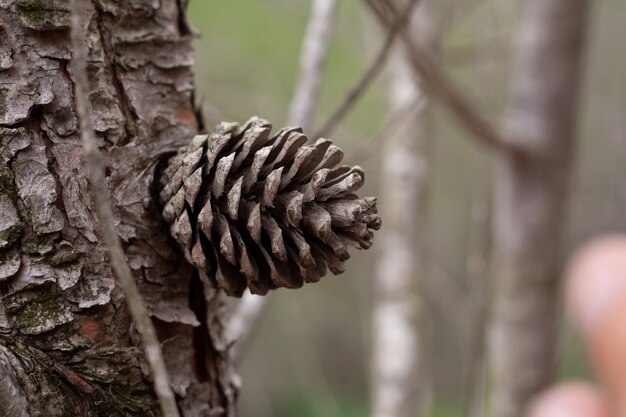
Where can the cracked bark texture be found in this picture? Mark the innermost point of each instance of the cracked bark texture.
(67, 344)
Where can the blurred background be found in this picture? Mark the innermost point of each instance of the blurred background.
(310, 353)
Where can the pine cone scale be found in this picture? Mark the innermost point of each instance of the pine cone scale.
(270, 187)
(289, 207)
(251, 175)
(233, 200)
(192, 186)
(303, 248)
(226, 246)
(275, 233)
(205, 219)
(252, 140)
(253, 221)
(221, 174)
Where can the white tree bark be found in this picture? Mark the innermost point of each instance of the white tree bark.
(530, 199)
(312, 58)
(400, 383)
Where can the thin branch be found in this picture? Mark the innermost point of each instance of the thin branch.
(439, 82)
(398, 119)
(251, 309)
(94, 163)
(478, 300)
(448, 298)
(357, 91)
(312, 59)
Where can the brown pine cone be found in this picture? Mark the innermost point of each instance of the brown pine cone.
(264, 212)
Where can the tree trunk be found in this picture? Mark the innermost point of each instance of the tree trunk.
(400, 357)
(67, 344)
(530, 200)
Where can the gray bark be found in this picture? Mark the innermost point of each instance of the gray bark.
(530, 200)
(67, 344)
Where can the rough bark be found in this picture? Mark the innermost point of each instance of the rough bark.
(67, 344)
(400, 372)
(530, 200)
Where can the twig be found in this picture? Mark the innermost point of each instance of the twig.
(252, 308)
(399, 118)
(446, 296)
(478, 294)
(94, 163)
(355, 93)
(438, 82)
(312, 58)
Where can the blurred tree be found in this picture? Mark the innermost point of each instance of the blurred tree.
(530, 200)
(67, 344)
(400, 353)
(533, 152)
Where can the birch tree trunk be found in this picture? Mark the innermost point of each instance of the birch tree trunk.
(67, 344)
(400, 373)
(530, 200)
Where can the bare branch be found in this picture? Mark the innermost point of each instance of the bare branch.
(396, 120)
(438, 82)
(312, 59)
(478, 300)
(447, 297)
(357, 91)
(94, 163)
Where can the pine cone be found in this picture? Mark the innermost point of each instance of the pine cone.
(264, 212)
